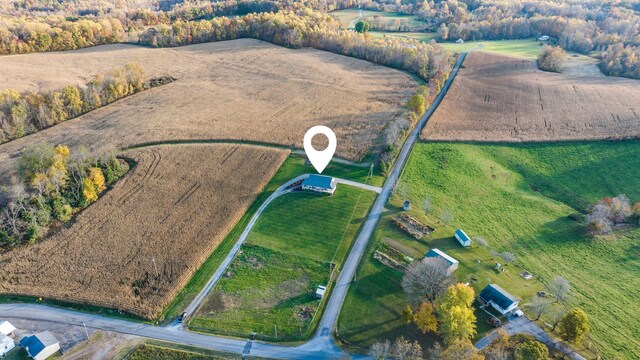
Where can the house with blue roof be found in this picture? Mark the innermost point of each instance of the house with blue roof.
(41, 345)
(439, 254)
(320, 183)
(462, 238)
(498, 298)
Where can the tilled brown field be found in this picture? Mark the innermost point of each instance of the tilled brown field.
(174, 207)
(501, 98)
(242, 89)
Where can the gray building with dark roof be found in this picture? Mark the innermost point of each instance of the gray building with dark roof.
(498, 298)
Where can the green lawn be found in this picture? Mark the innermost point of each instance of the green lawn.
(292, 167)
(518, 197)
(18, 353)
(422, 36)
(348, 18)
(292, 249)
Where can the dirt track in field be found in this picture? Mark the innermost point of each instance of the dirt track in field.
(242, 90)
(175, 207)
(501, 98)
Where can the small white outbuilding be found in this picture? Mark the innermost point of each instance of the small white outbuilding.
(320, 291)
(6, 345)
(6, 328)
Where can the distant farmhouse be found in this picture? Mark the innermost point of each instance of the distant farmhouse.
(543, 38)
(41, 345)
(439, 254)
(498, 298)
(459, 41)
(462, 238)
(320, 183)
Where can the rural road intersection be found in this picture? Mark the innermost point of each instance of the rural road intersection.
(321, 346)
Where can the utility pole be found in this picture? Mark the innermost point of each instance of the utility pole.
(85, 331)
(153, 259)
(371, 170)
(276, 327)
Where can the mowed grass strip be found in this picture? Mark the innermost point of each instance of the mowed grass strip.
(519, 197)
(292, 249)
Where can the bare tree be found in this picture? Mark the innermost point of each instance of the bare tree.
(380, 350)
(427, 279)
(608, 212)
(403, 190)
(426, 204)
(497, 353)
(403, 349)
(508, 257)
(481, 241)
(538, 306)
(447, 216)
(435, 351)
(554, 315)
(560, 288)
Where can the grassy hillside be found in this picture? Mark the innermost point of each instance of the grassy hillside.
(292, 249)
(519, 197)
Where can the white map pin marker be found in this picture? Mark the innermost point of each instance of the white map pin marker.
(320, 159)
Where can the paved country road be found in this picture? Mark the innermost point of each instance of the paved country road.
(321, 346)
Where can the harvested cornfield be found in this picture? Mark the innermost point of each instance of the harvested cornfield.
(241, 90)
(501, 98)
(138, 246)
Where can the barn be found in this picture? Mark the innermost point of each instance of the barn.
(462, 238)
(439, 254)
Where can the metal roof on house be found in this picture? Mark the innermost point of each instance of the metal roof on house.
(320, 181)
(462, 235)
(6, 328)
(437, 253)
(38, 342)
(498, 296)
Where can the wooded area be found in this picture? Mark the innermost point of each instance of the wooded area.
(26, 113)
(54, 185)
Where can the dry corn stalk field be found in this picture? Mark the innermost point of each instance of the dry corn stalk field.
(242, 90)
(175, 207)
(501, 98)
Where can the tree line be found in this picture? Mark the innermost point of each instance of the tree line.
(308, 28)
(27, 112)
(54, 185)
(577, 25)
(41, 25)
